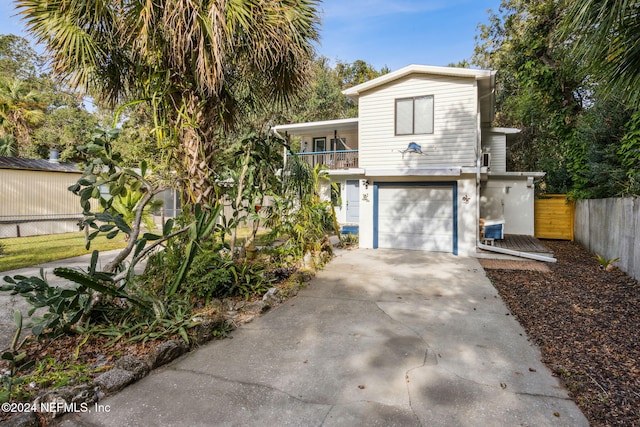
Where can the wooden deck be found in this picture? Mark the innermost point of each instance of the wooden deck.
(521, 243)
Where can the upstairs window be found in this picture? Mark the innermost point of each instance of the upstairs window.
(414, 115)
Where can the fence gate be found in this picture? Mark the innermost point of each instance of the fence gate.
(554, 216)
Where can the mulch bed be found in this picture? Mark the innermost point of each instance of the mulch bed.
(586, 322)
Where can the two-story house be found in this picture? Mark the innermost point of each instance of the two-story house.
(421, 164)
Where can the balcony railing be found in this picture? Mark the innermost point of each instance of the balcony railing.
(332, 159)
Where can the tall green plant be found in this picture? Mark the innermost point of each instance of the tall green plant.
(607, 35)
(127, 205)
(540, 88)
(298, 211)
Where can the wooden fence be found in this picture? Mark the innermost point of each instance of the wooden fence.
(554, 217)
(611, 228)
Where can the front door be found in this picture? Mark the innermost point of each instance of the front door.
(353, 201)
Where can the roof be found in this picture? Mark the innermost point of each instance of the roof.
(486, 81)
(322, 126)
(505, 131)
(480, 75)
(37, 165)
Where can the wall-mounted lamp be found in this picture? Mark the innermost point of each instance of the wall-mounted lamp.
(365, 183)
(529, 181)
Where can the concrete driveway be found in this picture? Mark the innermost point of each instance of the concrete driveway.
(378, 338)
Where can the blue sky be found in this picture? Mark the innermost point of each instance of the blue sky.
(402, 32)
(380, 32)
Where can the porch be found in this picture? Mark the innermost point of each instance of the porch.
(343, 159)
(514, 242)
(520, 243)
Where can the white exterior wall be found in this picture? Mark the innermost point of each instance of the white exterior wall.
(453, 142)
(509, 199)
(365, 238)
(27, 194)
(468, 200)
(496, 145)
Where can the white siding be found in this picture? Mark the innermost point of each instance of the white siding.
(26, 194)
(453, 141)
(496, 144)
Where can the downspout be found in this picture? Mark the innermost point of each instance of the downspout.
(528, 255)
(478, 165)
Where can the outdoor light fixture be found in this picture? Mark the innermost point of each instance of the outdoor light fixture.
(365, 182)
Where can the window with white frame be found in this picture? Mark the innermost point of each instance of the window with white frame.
(414, 115)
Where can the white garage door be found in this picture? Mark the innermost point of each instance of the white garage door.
(415, 217)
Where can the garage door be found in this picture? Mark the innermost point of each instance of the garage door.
(420, 217)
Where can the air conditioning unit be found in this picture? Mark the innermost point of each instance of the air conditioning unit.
(486, 160)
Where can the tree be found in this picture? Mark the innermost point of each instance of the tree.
(198, 65)
(322, 99)
(21, 110)
(136, 140)
(63, 128)
(34, 111)
(357, 72)
(17, 59)
(540, 90)
(596, 168)
(606, 35)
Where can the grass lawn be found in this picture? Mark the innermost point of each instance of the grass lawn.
(19, 252)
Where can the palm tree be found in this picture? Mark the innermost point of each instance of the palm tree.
(20, 110)
(199, 64)
(607, 40)
(8, 146)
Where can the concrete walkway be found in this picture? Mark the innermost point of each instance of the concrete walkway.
(10, 303)
(378, 338)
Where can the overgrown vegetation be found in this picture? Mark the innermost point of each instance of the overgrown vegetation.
(191, 263)
(565, 73)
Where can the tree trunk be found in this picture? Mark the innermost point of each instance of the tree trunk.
(195, 133)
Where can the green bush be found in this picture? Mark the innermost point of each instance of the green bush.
(216, 275)
(212, 274)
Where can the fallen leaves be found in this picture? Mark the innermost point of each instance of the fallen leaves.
(585, 320)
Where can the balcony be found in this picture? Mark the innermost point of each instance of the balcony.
(344, 159)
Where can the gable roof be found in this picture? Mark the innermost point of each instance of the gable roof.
(486, 76)
(486, 80)
(37, 165)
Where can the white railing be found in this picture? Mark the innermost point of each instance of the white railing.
(332, 159)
